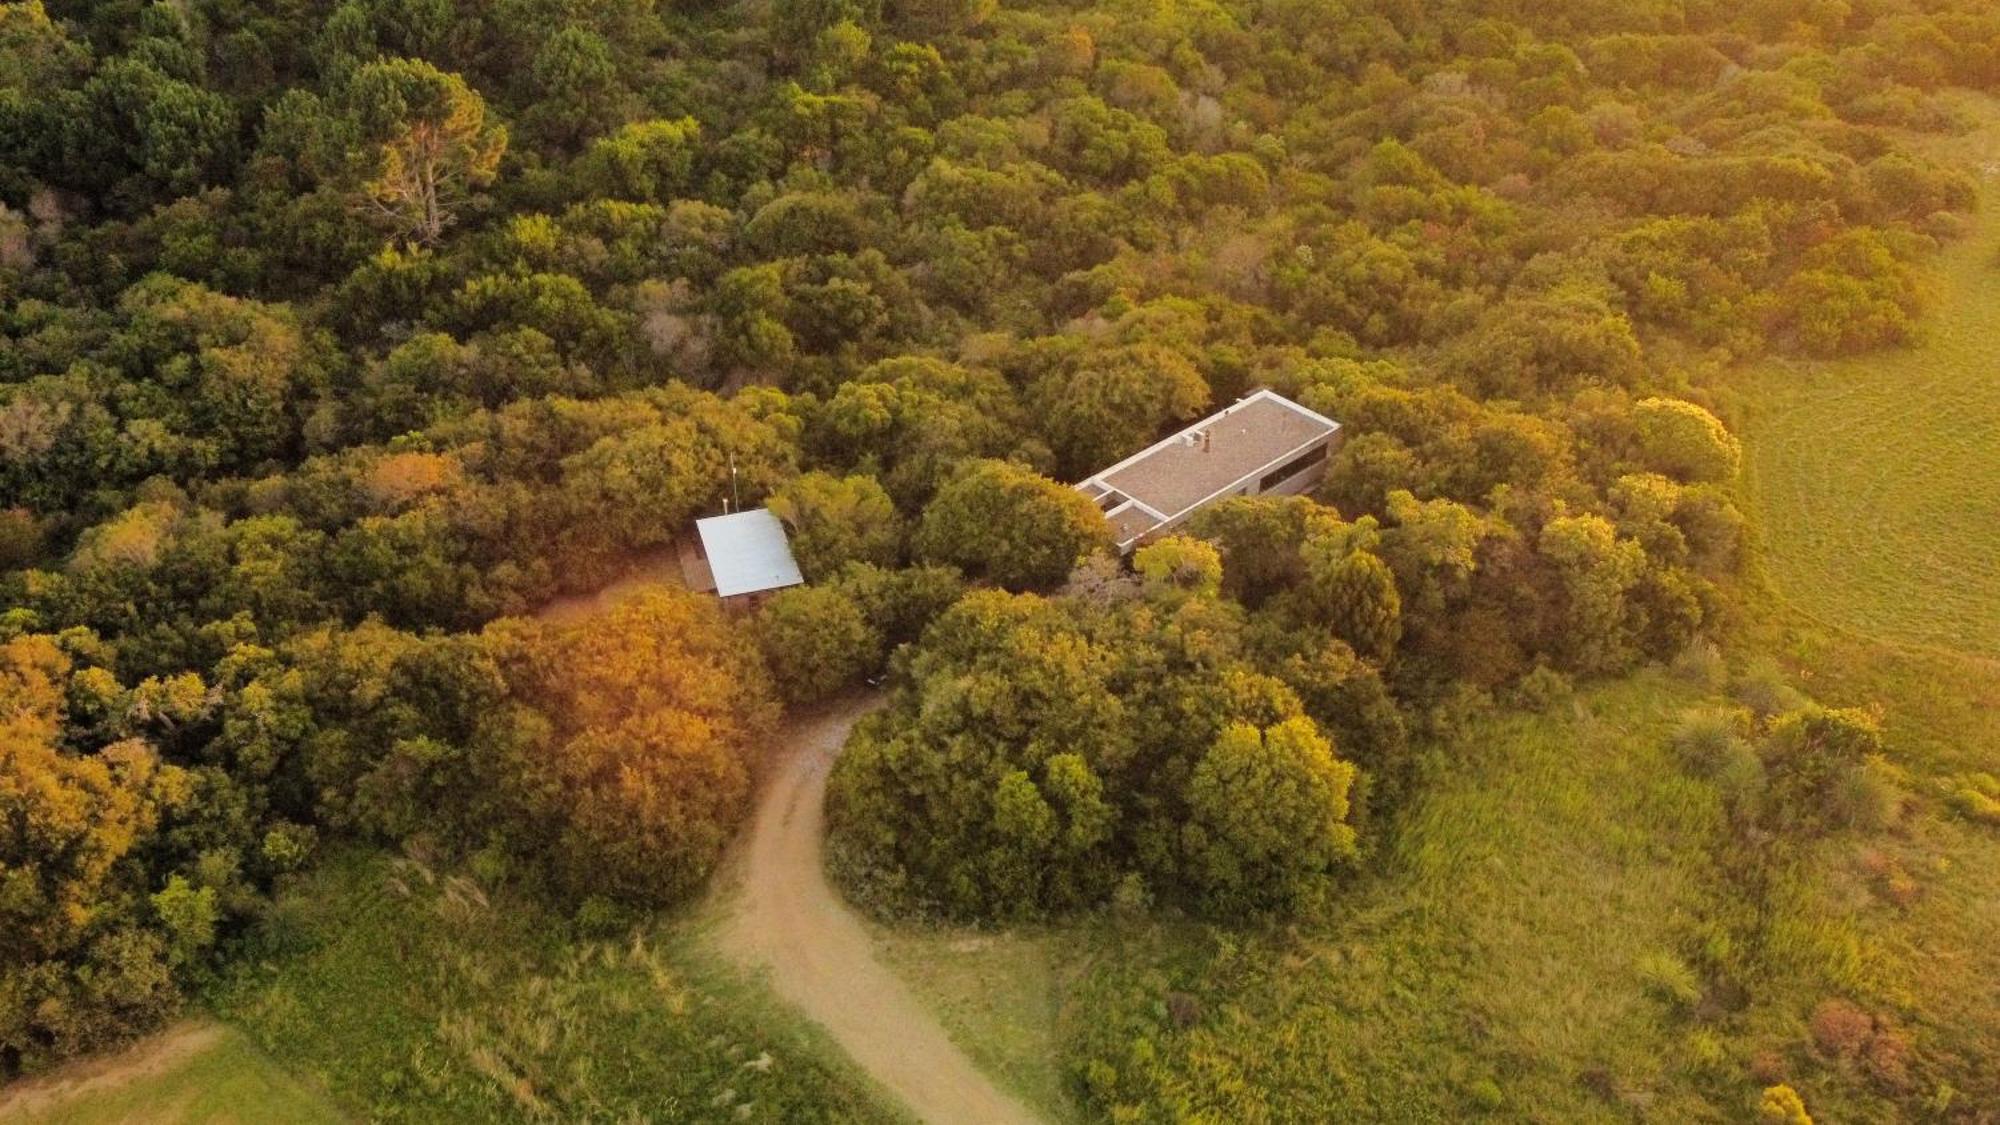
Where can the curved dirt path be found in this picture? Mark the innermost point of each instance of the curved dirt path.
(150, 1057)
(787, 919)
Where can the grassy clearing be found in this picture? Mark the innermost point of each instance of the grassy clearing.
(1505, 961)
(1876, 480)
(195, 1072)
(415, 996)
(998, 996)
(1877, 484)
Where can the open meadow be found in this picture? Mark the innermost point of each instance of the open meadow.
(1523, 951)
(1876, 484)
(999, 994)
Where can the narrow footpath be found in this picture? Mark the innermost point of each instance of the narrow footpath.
(785, 919)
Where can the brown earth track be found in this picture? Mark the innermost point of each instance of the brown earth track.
(786, 920)
(154, 1055)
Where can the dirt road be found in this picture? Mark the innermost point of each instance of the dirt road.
(75, 1081)
(784, 917)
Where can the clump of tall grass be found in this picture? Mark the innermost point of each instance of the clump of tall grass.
(1976, 797)
(1765, 690)
(1704, 1052)
(1710, 743)
(1542, 690)
(1701, 664)
(1869, 798)
(1669, 978)
(1708, 739)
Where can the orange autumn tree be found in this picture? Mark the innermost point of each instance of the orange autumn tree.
(627, 742)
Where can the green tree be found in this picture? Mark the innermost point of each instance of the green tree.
(1684, 441)
(426, 144)
(1344, 694)
(1853, 293)
(1046, 836)
(1354, 591)
(1010, 526)
(1001, 751)
(143, 136)
(642, 486)
(1260, 539)
(816, 641)
(1268, 818)
(239, 373)
(1180, 564)
(188, 914)
(837, 520)
(1432, 546)
(752, 304)
(576, 85)
(650, 161)
(899, 604)
(1108, 405)
(915, 420)
(1595, 572)
(797, 25)
(799, 224)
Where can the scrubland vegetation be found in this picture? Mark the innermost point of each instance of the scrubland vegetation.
(1587, 911)
(416, 995)
(335, 338)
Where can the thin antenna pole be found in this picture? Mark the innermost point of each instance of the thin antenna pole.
(734, 496)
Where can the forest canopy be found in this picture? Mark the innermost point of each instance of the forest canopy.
(338, 337)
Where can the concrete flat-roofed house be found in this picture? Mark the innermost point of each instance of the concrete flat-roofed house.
(741, 556)
(1264, 443)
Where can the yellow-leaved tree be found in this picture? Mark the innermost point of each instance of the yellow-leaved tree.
(79, 963)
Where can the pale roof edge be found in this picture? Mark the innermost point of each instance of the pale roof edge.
(748, 552)
(1265, 394)
(1165, 482)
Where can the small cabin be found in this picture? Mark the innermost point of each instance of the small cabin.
(741, 557)
(1262, 444)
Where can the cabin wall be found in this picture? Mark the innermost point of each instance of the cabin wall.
(1300, 480)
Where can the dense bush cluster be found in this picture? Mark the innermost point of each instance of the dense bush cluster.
(1058, 750)
(330, 332)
